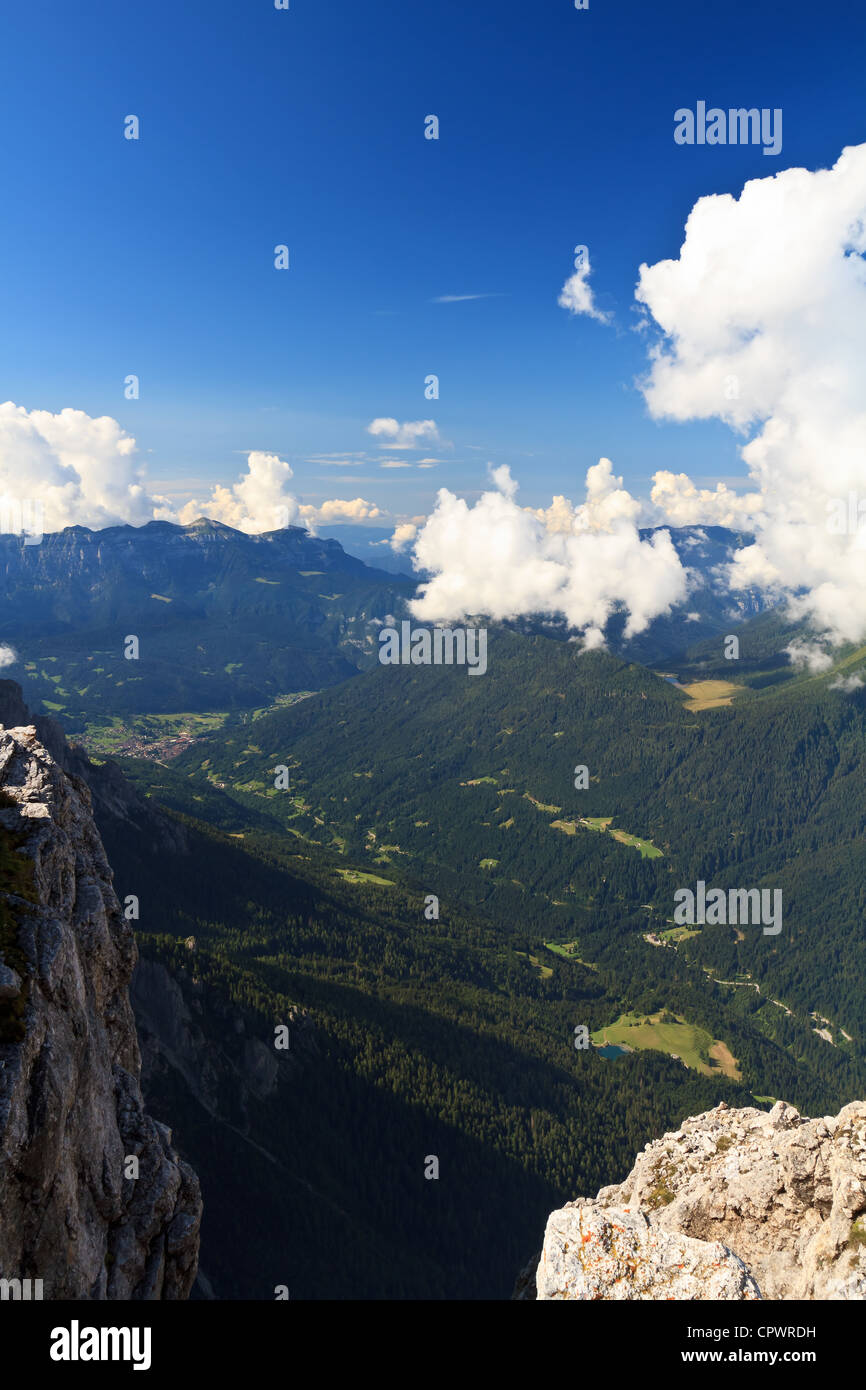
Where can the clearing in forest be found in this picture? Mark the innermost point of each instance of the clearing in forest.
(666, 1032)
(646, 847)
(602, 823)
(568, 950)
(710, 694)
(359, 876)
(544, 970)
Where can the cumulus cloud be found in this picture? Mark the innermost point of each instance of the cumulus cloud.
(337, 510)
(408, 435)
(808, 656)
(72, 469)
(403, 535)
(261, 501)
(848, 684)
(607, 502)
(763, 325)
(576, 294)
(681, 503)
(8, 656)
(504, 560)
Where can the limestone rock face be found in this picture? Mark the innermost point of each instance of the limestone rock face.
(612, 1253)
(782, 1195)
(117, 806)
(222, 1068)
(71, 1110)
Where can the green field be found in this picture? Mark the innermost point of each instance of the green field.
(568, 950)
(664, 1032)
(678, 934)
(360, 876)
(106, 735)
(647, 849)
(544, 970)
(540, 806)
(602, 824)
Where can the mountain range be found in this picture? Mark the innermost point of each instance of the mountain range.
(472, 946)
(223, 620)
(229, 621)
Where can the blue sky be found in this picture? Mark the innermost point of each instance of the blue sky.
(306, 127)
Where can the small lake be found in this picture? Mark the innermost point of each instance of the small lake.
(611, 1050)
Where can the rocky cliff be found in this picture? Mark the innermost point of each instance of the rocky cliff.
(737, 1204)
(93, 1199)
(203, 1039)
(118, 808)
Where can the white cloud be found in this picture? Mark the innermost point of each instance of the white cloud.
(848, 684)
(576, 294)
(607, 502)
(403, 536)
(808, 656)
(8, 656)
(337, 510)
(261, 501)
(81, 470)
(504, 560)
(408, 435)
(258, 502)
(681, 503)
(763, 318)
(461, 298)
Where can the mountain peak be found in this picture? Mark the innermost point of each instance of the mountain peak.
(205, 524)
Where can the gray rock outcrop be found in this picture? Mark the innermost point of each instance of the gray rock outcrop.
(614, 1253)
(222, 1067)
(117, 807)
(734, 1204)
(73, 1129)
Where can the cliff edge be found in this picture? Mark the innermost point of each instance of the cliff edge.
(93, 1199)
(736, 1204)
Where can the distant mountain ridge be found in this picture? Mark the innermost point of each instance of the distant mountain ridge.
(224, 620)
(191, 561)
(371, 544)
(227, 620)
